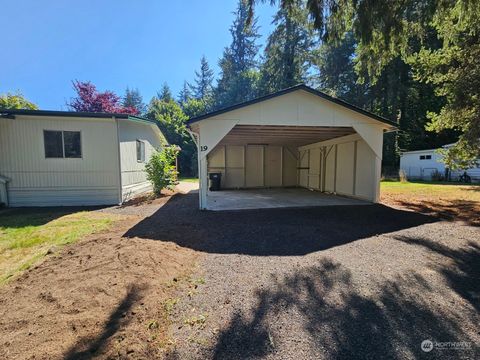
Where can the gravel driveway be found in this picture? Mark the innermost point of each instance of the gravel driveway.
(322, 283)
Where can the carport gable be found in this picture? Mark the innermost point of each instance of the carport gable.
(299, 106)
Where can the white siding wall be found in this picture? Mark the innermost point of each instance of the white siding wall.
(344, 166)
(474, 173)
(422, 169)
(134, 179)
(38, 181)
(253, 166)
(365, 171)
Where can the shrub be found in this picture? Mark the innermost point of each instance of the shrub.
(402, 175)
(437, 176)
(160, 169)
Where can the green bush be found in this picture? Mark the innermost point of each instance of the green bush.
(160, 169)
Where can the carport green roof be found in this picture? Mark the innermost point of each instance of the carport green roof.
(289, 90)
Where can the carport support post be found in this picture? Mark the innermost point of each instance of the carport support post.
(203, 181)
(378, 176)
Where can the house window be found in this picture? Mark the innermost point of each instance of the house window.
(62, 144)
(422, 157)
(428, 157)
(140, 151)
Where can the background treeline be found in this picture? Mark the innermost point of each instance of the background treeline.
(416, 62)
(297, 52)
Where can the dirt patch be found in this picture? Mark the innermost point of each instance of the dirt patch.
(105, 296)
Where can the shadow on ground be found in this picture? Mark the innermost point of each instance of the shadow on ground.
(343, 323)
(464, 210)
(37, 216)
(287, 231)
(89, 347)
(463, 276)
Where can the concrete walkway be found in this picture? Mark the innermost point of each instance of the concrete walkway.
(274, 198)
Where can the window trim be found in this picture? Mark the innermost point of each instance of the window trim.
(142, 154)
(63, 145)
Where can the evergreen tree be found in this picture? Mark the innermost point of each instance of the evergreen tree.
(133, 99)
(172, 122)
(194, 107)
(202, 89)
(440, 41)
(165, 94)
(337, 76)
(185, 94)
(238, 65)
(287, 58)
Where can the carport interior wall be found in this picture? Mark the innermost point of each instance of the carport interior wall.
(343, 166)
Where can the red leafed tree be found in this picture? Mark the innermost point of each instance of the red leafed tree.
(89, 99)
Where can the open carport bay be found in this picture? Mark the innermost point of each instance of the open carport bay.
(282, 172)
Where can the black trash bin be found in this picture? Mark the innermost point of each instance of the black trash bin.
(215, 179)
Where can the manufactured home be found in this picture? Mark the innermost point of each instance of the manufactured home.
(293, 139)
(59, 158)
(425, 164)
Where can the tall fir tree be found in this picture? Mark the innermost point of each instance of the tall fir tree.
(403, 29)
(185, 94)
(336, 71)
(165, 94)
(288, 54)
(238, 64)
(133, 99)
(203, 87)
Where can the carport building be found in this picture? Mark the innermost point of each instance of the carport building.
(297, 137)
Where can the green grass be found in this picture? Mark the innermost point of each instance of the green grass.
(27, 235)
(424, 188)
(188, 179)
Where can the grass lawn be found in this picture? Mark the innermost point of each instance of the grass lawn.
(188, 179)
(27, 235)
(446, 200)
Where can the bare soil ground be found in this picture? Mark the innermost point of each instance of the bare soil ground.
(105, 296)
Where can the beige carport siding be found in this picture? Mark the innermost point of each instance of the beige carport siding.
(298, 137)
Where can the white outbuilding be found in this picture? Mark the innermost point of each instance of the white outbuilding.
(295, 138)
(59, 158)
(428, 163)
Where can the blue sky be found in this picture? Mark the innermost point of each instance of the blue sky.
(113, 43)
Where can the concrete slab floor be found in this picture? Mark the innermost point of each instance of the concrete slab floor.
(274, 198)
